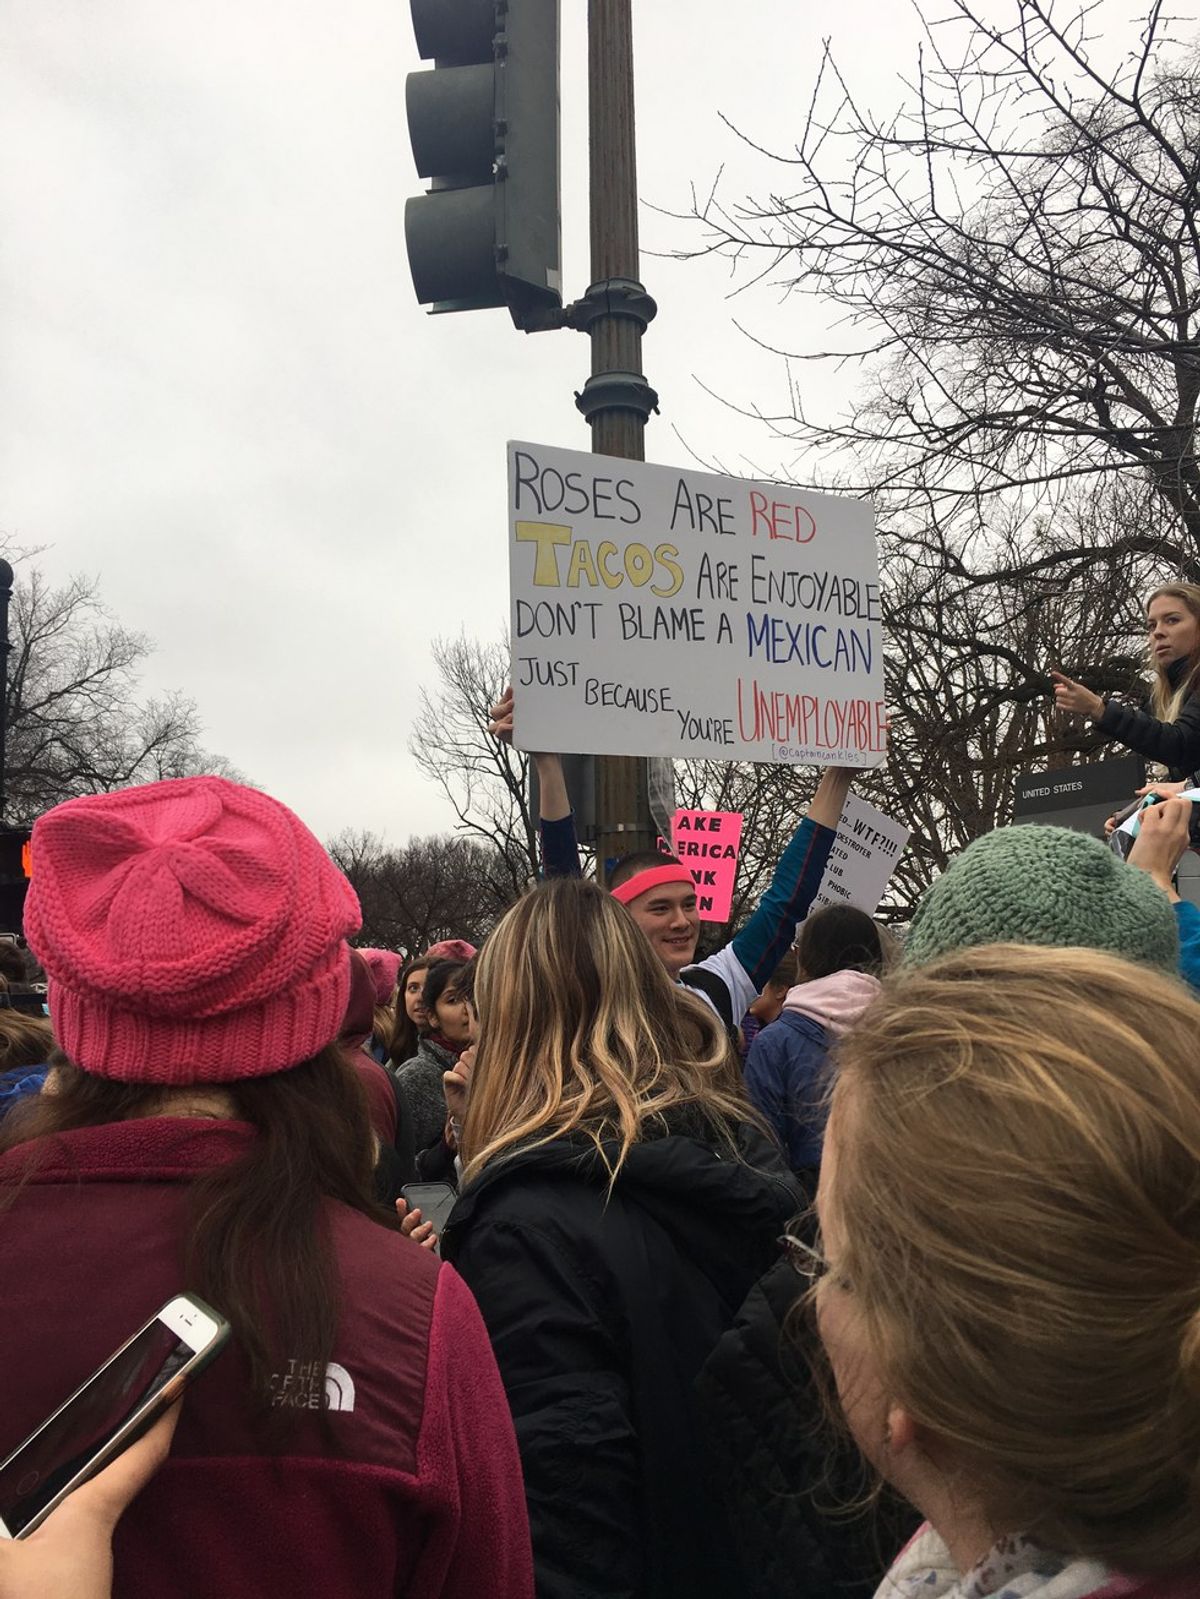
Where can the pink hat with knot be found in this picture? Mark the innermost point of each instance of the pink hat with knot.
(385, 967)
(193, 931)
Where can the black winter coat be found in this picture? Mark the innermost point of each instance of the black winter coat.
(1176, 744)
(796, 1472)
(601, 1310)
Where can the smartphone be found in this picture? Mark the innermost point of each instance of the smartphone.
(1127, 811)
(1123, 842)
(112, 1409)
(435, 1201)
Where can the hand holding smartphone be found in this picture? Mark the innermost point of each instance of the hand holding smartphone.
(435, 1201)
(71, 1552)
(110, 1411)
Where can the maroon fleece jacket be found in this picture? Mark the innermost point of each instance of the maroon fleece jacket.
(413, 1490)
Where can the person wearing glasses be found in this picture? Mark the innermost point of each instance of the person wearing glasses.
(1007, 1274)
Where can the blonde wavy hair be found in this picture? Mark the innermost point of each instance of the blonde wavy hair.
(383, 1029)
(1018, 1185)
(1167, 702)
(582, 1033)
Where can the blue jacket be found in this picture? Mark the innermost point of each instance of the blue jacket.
(19, 1082)
(785, 1077)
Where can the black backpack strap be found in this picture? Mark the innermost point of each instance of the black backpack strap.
(715, 989)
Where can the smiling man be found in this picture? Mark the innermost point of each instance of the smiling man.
(659, 893)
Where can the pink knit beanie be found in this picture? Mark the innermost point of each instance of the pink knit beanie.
(451, 949)
(385, 967)
(193, 931)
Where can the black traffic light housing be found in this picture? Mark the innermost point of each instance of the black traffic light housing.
(484, 124)
(15, 871)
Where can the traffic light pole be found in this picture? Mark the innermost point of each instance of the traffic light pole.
(615, 312)
(485, 132)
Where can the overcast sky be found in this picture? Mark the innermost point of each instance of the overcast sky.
(218, 395)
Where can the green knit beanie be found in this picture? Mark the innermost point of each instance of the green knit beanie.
(1044, 885)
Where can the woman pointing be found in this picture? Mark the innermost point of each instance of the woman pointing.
(1170, 732)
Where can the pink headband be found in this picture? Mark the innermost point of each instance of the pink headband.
(653, 877)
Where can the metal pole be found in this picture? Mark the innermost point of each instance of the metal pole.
(6, 583)
(616, 400)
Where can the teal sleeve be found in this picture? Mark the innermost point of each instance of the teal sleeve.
(1187, 919)
(768, 935)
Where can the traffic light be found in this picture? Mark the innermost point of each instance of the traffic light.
(485, 130)
(15, 872)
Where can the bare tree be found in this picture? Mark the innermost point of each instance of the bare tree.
(966, 664)
(75, 722)
(1018, 255)
(431, 888)
(487, 782)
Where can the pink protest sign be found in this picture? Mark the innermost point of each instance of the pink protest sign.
(707, 842)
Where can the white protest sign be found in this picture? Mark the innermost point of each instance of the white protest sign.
(864, 856)
(665, 612)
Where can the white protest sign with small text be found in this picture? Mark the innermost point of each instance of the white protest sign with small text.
(865, 853)
(665, 612)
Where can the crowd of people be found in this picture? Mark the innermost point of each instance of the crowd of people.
(828, 1265)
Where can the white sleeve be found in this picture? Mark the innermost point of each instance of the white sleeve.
(726, 966)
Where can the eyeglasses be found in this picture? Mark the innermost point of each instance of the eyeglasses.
(806, 1260)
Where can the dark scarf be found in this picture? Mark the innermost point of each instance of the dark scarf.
(445, 1043)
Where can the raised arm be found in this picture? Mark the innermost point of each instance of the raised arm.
(1176, 744)
(556, 820)
(771, 930)
(1159, 847)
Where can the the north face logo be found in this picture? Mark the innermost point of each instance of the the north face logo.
(339, 1387)
(301, 1387)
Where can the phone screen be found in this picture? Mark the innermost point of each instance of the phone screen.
(48, 1461)
(435, 1201)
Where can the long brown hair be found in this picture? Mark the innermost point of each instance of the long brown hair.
(24, 1040)
(406, 1035)
(582, 1033)
(1017, 1191)
(1167, 700)
(258, 1243)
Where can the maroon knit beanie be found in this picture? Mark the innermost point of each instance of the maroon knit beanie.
(193, 931)
(360, 1006)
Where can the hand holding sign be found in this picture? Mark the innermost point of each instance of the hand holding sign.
(1161, 841)
(500, 717)
(865, 853)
